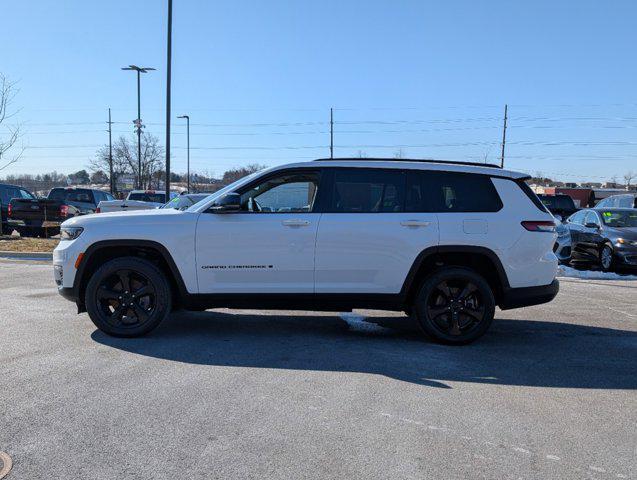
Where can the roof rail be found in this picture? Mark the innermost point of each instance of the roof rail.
(421, 160)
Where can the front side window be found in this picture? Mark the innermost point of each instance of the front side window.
(367, 191)
(591, 219)
(433, 191)
(287, 193)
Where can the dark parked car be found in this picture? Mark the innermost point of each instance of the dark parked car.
(182, 202)
(604, 237)
(7, 192)
(625, 200)
(42, 217)
(561, 205)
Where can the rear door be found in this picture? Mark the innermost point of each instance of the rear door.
(367, 241)
(576, 227)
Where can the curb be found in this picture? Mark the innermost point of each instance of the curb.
(27, 255)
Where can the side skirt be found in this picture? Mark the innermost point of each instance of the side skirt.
(321, 302)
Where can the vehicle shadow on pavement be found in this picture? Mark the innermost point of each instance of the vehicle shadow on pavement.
(514, 352)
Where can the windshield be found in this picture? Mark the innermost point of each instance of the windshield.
(72, 195)
(558, 202)
(148, 197)
(619, 219)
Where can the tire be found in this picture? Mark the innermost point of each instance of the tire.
(128, 297)
(454, 306)
(607, 258)
(26, 232)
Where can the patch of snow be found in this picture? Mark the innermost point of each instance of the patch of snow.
(357, 323)
(564, 271)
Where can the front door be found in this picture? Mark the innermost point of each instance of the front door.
(267, 246)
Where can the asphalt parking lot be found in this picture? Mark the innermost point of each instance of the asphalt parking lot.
(550, 392)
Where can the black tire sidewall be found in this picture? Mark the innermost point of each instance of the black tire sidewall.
(612, 259)
(147, 269)
(426, 324)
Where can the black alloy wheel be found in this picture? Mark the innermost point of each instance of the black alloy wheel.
(455, 306)
(127, 297)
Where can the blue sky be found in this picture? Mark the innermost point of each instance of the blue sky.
(258, 79)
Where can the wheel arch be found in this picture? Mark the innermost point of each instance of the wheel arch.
(480, 259)
(106, 250)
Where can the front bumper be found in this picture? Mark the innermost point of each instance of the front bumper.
(527, 296)
(626, 256)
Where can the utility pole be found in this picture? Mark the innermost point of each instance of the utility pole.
(138, 120)
(187, 117)
(504, 136)
(331, 133)
(168, 62)
(110, 150)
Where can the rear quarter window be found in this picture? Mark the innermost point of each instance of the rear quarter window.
(431, 191)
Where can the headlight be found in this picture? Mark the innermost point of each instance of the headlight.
(70, 233)
(623, 241)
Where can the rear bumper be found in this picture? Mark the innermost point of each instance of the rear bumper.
(33, 223)
(527, 296)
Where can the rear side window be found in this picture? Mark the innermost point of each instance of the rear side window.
(431, 191)
(148, 197)
(7, 193)
(577, 218)
(531, 194)
(626, 202)
(367, 191)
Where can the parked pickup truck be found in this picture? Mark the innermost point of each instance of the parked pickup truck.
(41, 217)
(7, 192)
(136, 200)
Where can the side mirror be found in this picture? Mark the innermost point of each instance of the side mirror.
(591, 225)
(230, 202)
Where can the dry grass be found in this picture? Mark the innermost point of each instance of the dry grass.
(13, 243)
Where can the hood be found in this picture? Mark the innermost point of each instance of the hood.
(139, 217)
(629, 233)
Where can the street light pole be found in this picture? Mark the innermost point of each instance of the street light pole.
(138, 121)
(169, 40)
(187, 117)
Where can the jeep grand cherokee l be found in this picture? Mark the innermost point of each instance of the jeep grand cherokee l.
(443, 241)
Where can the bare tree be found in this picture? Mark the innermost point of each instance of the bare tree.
(235, 174)
(628, 177)
(8, 91)
(125, 159)
(362, 154)
(399, 153)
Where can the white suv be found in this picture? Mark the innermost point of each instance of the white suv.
(446, 242)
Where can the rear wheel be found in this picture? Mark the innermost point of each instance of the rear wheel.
(128, 297)
(455, 306)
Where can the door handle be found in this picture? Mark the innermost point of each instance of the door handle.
(414, 223)
(295, 223)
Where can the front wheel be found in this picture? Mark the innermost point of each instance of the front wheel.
(455, 306)
(128, 297)
(606, 255)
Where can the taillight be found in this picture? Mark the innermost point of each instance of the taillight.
(64, 210)
(97, 210)
(9, 210)
(539, 226)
